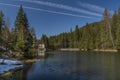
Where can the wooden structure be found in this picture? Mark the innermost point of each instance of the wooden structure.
(41, 48)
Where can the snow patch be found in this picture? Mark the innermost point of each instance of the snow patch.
(9, 64)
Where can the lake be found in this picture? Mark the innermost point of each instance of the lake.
(74, 66)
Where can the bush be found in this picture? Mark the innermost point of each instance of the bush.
(32, 53)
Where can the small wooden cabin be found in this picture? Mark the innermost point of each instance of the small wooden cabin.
(41, 48)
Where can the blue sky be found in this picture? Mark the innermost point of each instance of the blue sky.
(52, 17)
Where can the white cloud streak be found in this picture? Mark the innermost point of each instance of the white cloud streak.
(93, 7)
(48, 11)
(61, 6)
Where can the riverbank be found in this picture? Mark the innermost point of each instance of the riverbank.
(106, 50)
(11, 65)
(11, 75)
(77, 49)
(5, 76)
(29, 60)
(69, 49)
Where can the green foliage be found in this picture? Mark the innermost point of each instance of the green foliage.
(118, 30)
(1, 23)
(24, 38)
(44, 39)
(20, 38)
(76, 36)
(32, 53)
(98, 35)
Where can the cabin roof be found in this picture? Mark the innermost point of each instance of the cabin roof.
(38, 42)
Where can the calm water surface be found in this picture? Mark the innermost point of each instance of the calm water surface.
(75, 66)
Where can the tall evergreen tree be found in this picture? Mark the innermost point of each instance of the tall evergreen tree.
(13, 38)
(6, 34)
(76, 36)
(85, 38)
(33, 35)
(71, 39)
(6, 31)
(23, 40)
(44, 39)
(114, 26)
(107, 36)
(118, 30)
(1, 23)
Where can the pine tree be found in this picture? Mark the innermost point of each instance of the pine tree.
(1, 23)
(85, 37)
(76, 36)
(6, 34)
(114, 26)
(6, 31)
(107, 36)
(44, 39)
(118, 31)
(71, 39)
(33, 35)
(12, 38)
(24, 39)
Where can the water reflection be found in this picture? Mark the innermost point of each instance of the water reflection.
(75, 66)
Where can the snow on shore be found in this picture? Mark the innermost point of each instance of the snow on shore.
(9, 64)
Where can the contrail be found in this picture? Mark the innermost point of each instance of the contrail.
(93, 7)
(49, 11)
(61, 6)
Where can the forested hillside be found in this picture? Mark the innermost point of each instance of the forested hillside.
(104, 34)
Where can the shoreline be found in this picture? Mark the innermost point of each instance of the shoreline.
(69, 49)
(28, 60)
(106, 50)
(18, 68)
(10, 70)
(77, 49)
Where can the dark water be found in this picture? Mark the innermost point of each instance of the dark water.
(75, 66)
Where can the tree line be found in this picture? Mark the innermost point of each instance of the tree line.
(21, 37)
(104, 34)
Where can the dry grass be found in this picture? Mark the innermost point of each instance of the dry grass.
(30, 60)
(5, 76)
